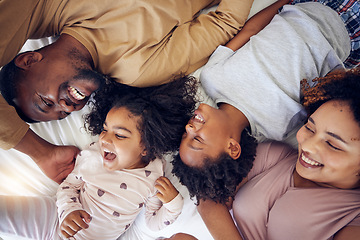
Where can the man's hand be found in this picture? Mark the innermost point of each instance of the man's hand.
(167, 191)
(55, 161)
(59, 162)
(74, 222)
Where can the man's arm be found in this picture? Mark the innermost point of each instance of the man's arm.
(255, 24)
(190, 44)
(55, 161)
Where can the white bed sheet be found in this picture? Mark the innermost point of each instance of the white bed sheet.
(21, 176)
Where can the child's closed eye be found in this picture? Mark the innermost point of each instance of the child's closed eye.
(120, 136)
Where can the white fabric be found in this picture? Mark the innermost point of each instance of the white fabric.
(20, 217)
(291, 48)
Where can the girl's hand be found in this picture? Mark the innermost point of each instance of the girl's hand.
(167, 191)
(74, 222)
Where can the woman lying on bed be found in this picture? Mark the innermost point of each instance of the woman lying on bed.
(267, 71)
(312, 193)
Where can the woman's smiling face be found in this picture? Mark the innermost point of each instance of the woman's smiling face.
(329, 147)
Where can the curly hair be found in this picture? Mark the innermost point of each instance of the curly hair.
(340, 85)
(218, 178)
(164, 112)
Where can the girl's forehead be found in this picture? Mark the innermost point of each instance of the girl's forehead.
(121, 116)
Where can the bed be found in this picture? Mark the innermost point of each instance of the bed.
(21, 176)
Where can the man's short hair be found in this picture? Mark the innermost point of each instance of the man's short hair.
(9, 79)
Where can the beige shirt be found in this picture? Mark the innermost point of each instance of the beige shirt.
(139, 43)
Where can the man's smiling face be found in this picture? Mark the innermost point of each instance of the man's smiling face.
(52, 90)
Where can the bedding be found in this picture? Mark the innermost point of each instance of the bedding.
(21, 176)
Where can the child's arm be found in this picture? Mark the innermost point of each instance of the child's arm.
(74, 222)
(217, 217)
(255, 24)
(348, 232)
(180, 236)
(167, 191)
(165, 207)
(72, 217)
(218, 220)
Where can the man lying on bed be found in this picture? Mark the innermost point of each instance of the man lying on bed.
(135, 43)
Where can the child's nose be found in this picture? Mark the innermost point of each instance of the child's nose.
(190, 128)
(104, 139)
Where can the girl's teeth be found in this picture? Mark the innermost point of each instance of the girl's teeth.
(197, 117)
(308, 161)
(76, 94)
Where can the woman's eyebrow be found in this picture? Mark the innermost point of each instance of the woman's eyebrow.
(311, 120)
(329, 133)
(336, 136)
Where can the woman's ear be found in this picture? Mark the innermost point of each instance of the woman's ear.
(234, 149)
(27, 59)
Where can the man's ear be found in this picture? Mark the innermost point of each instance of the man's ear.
(27, 59)
(234, 149)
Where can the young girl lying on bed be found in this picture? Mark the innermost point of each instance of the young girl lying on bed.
(123, 172)
(312, 193)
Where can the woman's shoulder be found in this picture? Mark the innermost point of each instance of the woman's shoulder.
(268, 154)
(274, 150)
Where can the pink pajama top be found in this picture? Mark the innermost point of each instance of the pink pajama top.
(268, 206)
(114, 198)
